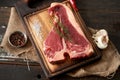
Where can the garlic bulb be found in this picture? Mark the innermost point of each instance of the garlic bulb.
(101, 38)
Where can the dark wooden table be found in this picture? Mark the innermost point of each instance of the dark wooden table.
(96, 13)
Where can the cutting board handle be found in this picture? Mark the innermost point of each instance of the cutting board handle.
(26, 7)
(34, 3)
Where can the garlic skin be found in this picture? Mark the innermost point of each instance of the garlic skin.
(101, 38)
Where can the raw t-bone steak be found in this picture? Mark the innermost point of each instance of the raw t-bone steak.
(66, 37)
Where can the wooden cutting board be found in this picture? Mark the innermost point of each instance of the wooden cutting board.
(37, 23)
(39, 26)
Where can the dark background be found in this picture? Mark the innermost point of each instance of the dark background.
(97, 14)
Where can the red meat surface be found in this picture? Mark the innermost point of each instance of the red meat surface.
(66, 37)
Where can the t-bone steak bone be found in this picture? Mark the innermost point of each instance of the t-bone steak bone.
(66, 39)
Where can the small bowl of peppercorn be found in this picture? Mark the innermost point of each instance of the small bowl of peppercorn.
(17, 39)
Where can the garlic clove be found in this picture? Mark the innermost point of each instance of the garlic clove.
(101, 39)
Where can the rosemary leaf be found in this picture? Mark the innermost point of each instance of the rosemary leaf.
(61, 30)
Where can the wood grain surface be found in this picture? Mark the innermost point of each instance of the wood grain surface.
(96, 13)
(39, 26)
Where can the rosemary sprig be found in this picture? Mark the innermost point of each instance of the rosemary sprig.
(62, 31)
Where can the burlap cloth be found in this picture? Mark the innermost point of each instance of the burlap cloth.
(15, 24)
(108, 64)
